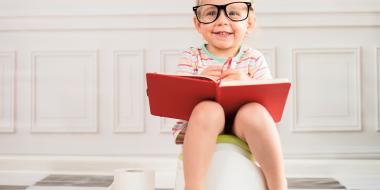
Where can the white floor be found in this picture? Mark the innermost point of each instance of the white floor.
(30, 178)
(361, 183)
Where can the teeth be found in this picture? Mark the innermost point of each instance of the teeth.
(224, 33)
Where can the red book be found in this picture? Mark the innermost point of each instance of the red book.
(175, 96)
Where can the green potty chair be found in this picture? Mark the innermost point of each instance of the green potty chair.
(232, 167)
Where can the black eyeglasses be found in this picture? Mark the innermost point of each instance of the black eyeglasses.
(236, 11)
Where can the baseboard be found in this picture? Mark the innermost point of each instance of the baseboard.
(332, 167)
(165, 166)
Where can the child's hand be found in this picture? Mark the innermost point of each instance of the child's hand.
(213, 71)
(234, 75)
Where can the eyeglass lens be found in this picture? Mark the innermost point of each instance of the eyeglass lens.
(235, 11)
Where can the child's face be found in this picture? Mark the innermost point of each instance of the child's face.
(223, 34)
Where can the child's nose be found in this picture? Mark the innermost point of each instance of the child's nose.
(222, 19)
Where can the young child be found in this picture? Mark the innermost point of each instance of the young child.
(224, 24)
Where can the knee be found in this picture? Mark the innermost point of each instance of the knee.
(208, 114)
(254, 115)
(208, 111)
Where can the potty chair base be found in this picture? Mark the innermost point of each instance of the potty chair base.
(232, 167)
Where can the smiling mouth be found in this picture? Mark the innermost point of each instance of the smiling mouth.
(223, 33)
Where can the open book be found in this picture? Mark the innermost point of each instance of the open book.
(175, 96)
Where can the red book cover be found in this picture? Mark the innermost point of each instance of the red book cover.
(175, 96)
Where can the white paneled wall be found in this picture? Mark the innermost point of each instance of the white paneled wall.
(72, 74)
(378, 85)
(64, 91)
(129, 91)
(327, 90)
(7, 91)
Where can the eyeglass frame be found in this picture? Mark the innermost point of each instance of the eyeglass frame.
(224, 8)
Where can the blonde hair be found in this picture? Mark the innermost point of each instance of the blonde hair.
(197, 2)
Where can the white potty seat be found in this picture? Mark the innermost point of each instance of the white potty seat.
(232, 167)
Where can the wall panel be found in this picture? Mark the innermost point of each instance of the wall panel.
(129, 91)
(327, 88)
(64, 91)
(7, 91)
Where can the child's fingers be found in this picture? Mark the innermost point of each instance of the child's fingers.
(211, 73)
(215, 77)
(214, 67)
(233, 75)
(229, 73)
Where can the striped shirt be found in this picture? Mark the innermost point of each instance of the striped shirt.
(195, 60)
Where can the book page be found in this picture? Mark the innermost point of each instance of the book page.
(252, 82)
(199, 77)
(188, 76)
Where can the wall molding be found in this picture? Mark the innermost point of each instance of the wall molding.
(272, 53)
(84, 123)
(133, 123)
(164, 7)
(343, 127)
(378, 86)
(164, 54)
(354, 155)
(121, 15)
(68, 20)
(8, 126)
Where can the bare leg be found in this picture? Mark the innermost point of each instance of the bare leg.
(206, 122)
(254, 125)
